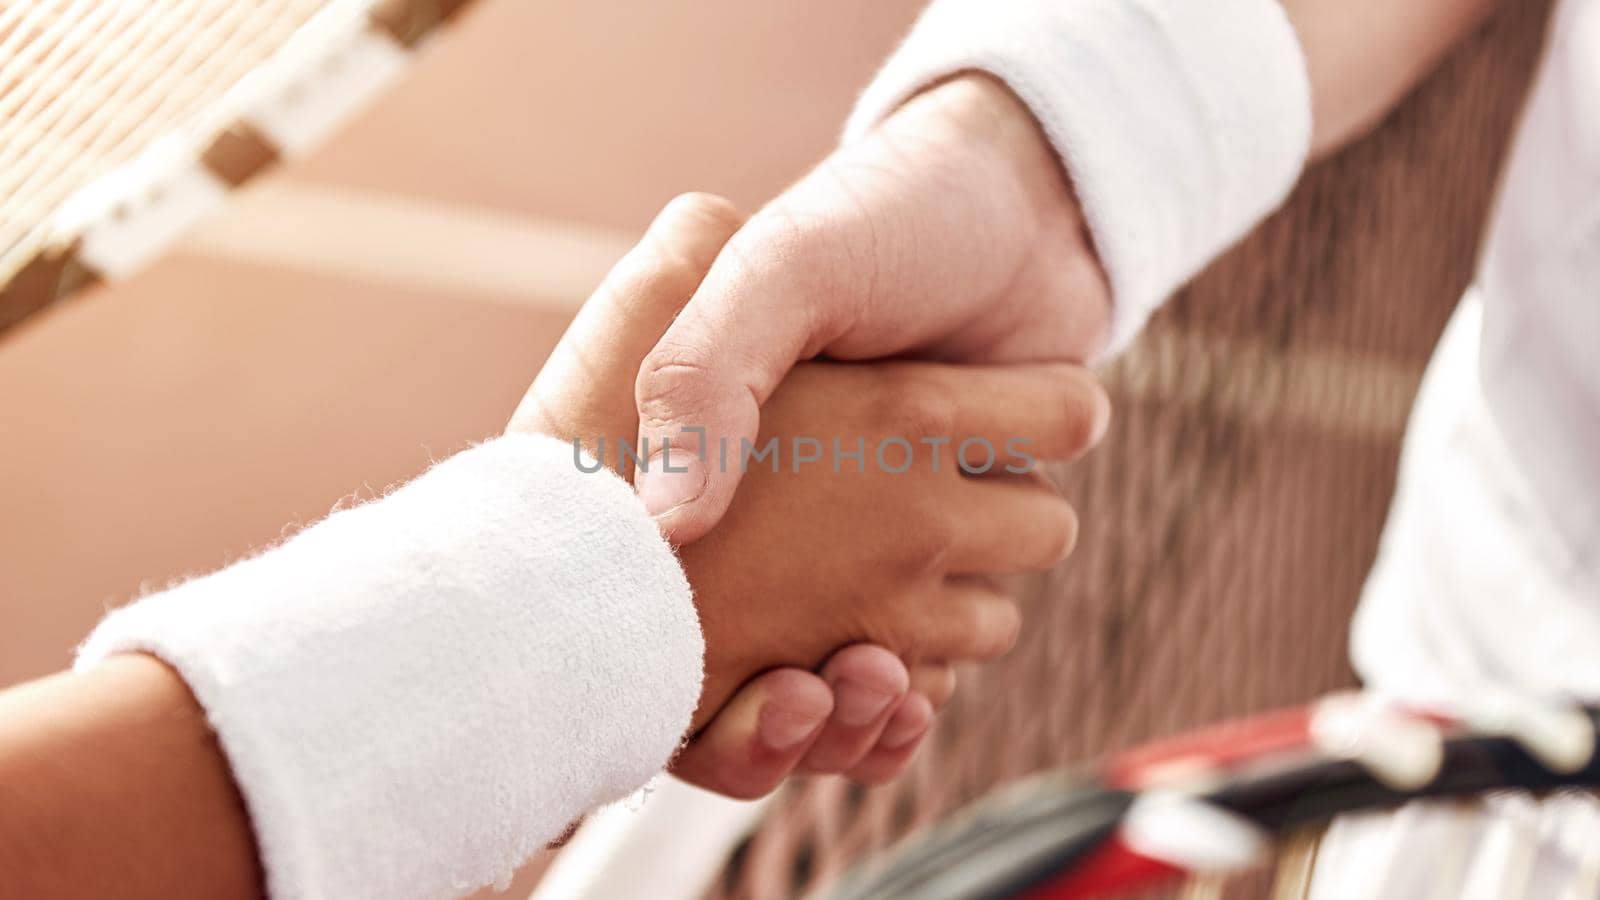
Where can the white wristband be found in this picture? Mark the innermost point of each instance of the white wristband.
(418, 693)
(1181, 123)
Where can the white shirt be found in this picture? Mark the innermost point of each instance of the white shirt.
(1489, 572)
(1175, 132)
(1180, 126)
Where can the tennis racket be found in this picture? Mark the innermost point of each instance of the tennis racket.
(1216, 802)
(125, 122)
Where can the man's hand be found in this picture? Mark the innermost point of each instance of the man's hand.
(949, 233)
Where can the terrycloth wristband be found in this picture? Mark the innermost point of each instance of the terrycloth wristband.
(1181, 123)
(418, 693)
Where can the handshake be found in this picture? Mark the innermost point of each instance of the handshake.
(834, 412)
(847, 528)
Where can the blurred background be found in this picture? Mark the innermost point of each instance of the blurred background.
(386, 301)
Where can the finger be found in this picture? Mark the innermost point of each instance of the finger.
(935, 682)
(1005, 418)
(1010, 525)
(753, 317)
(759, 736)
(969, 620)
(898, 744)
(600, 352)
(931, 687)
(868, 684)
(653, 282)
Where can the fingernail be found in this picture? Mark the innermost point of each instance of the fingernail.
(899, 735)
(1102, 421)
(782, 728)
(908, 725)
(664, 489)
(856, 705)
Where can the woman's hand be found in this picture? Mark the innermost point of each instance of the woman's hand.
(859, 523)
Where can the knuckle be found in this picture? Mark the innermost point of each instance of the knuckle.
(932, 544)
(936, 683)
(778, 229)
(919, 637)
(669, 267)
(815, 256)
(688, 236)
(653, 276)
(916, 407)
(679, 248)
(908, 627)
(713, 209)
(780, 255)
(674, 380)
(996, 627)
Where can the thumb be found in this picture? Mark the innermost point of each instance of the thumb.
(700, 390)
(584, 391)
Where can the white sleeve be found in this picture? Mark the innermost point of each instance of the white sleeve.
(1180, 123)
(417, 693)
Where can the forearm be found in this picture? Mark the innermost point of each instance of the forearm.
(1363, 56)
(112, 784)
(412, 695)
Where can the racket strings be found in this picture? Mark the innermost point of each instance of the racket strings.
(109, 96)
(87, 87)
(1504, 846)
(76, 123)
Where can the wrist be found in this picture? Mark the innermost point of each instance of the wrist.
(988, 134)
(989, 119)
(1181, 124)
(503, 592)
(114, 785)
